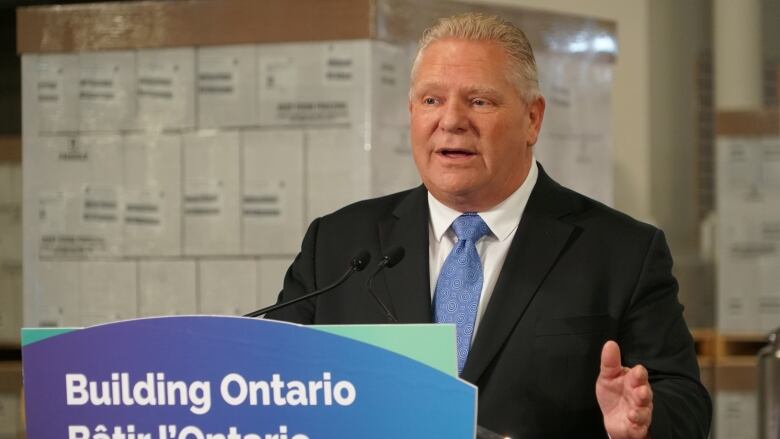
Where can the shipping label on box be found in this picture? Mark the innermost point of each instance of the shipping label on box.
(227, 287)
(152, 195)
(56, 92)
(226, 87)
(748, 173)
(211, 193)
(748, 279)
(272, 198)
(107, 91)
(101, 220)
(305, 84)
(102, 195)
(166, 88)
(79, 184)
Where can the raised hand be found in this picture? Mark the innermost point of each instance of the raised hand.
(624, 396)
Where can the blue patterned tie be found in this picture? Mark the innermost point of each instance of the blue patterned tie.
(460, 282)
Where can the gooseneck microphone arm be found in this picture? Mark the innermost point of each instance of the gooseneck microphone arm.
(391, 258)
(358, 263)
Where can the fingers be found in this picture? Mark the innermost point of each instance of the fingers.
(640, 416)
(624, 395)
(637, 388)
(610, 360)
(637, 376)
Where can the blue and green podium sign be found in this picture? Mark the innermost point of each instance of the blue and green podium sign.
(199, 377)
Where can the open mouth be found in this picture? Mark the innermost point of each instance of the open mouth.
(452, 153)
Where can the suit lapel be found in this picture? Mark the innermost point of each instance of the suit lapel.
(407, 286)
(540, 238)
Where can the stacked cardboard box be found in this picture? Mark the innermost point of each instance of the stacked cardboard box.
(748, 258)
(748, 206)
(175, 172)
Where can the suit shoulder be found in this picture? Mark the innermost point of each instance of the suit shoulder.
(369, 209)
(596, 214)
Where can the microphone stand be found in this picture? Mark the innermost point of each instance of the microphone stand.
(358, 263)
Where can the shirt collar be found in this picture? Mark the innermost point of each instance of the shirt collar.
(502, 219)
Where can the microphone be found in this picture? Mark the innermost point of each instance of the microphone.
(391, 258)
(358, 263)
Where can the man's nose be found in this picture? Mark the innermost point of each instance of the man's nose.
(454, 117)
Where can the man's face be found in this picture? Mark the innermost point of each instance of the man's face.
(472, 133)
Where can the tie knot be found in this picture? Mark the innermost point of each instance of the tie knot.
(470, 227)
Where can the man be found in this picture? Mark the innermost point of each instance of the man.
(546, 276)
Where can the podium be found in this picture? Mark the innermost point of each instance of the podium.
(209, 377)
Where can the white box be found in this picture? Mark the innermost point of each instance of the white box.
(227, 287)
(211, 193)
(338, 170)
(748, 234)
(272, 195)
(736, 415)
(56, 294)
(226, 88)
(166, 88)
(575, 144)
(108, 292)
(62, 162)
(313, 83)
(55, 91)
(166, 288)
(102, 195)
(392, 165)
(748, 296)
(271, 279)
(79, 181)
(748, 173)
(107, 90)
(152, 195)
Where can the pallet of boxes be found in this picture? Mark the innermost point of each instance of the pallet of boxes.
(175, 152)
(748, 263)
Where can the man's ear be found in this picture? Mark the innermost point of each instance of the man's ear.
(535, 117)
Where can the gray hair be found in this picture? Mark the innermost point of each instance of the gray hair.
(475, 26)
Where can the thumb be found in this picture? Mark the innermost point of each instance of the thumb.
(610, 360)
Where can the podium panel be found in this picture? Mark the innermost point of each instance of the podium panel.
(198, 377)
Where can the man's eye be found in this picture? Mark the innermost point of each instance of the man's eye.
(429, 101)
(479, 102)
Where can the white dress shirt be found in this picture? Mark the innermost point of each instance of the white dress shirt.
(502, 220)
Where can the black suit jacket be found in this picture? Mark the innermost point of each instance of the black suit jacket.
(577, 274)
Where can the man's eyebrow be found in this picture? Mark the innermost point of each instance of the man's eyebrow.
(473, 89)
